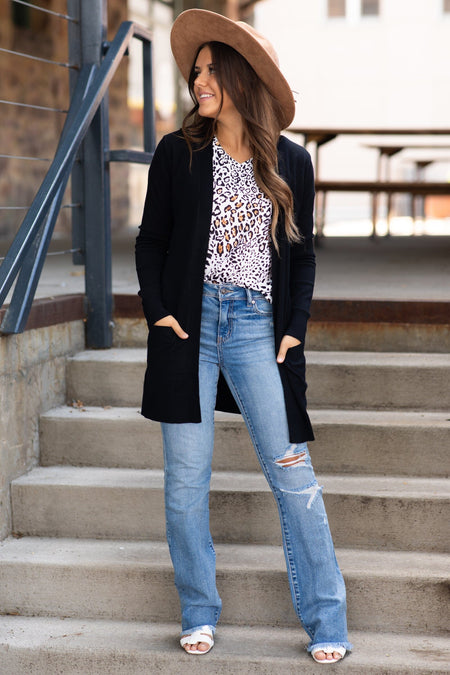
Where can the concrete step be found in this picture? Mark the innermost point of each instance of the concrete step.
(348, 325)
(347, 441)
(133, 581)
(364, 511)
(72, 646)
(336, 379)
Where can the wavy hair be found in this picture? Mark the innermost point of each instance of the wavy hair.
(261, 114)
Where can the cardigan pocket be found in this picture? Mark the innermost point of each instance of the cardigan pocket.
(167, 354)
(295, 357)
(159, 334)
(160, 337)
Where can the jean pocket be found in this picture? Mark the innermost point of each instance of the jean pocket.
(261, 306)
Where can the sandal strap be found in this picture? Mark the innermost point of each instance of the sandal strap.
(329, 650)
(203, 634)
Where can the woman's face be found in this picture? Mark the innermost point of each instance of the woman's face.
(207, 90)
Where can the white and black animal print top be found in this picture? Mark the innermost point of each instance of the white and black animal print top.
(239, 250)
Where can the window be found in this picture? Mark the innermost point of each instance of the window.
(370, 7)
(446, 6)
(336, 8)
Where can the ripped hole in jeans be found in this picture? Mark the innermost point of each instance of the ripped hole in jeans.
(292, 457)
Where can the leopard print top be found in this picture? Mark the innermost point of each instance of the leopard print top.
(239, 249)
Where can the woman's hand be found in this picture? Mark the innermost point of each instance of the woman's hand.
(171, 322)
(287, 342)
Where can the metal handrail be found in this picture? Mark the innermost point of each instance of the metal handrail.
(29, 248)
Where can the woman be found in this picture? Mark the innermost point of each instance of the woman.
(226, 269)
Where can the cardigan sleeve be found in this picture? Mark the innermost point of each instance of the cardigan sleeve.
(154, 233)
(303, 262)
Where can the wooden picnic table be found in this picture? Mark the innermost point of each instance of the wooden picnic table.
(374, 188)
(320, 136)
(386, 152)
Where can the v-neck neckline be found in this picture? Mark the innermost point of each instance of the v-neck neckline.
(246, 161)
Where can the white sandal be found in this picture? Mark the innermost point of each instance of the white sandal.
(329, 650)
(203, 634)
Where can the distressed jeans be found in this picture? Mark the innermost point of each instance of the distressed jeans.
(237, 338)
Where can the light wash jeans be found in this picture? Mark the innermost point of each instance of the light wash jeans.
(237, 337)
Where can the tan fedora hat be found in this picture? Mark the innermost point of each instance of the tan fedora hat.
(194, 27)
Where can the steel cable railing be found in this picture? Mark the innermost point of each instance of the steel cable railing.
(45, 10)
(34, 159)
(25, 257)
(41, 59)
(32, 106)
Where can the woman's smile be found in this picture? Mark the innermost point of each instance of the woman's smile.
(202, 97)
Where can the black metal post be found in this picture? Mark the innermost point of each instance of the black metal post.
(149, 108)
(77, 183)
(91, 188)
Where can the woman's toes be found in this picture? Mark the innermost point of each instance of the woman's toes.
(320, 655)
(196, 647)
(327, 656)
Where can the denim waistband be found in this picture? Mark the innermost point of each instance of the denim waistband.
(230, 292)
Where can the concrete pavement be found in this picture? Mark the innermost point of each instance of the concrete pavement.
(394, 268)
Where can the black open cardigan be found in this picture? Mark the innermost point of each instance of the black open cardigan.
(170, 260)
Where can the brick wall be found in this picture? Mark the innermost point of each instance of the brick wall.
(35, 133)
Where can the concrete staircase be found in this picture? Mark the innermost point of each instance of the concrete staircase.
(86, 582)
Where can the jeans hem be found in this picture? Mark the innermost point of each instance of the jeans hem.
(329, 645)
(188, 631)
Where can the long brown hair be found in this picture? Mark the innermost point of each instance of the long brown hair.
(261, 114)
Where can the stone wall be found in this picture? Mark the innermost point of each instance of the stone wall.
(32, 380)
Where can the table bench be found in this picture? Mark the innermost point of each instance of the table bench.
(374, 188)
(320, 136)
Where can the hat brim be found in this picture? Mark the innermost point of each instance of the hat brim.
(194, 27)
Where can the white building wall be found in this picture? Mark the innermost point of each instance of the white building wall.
(158, 18)
(386, 71)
